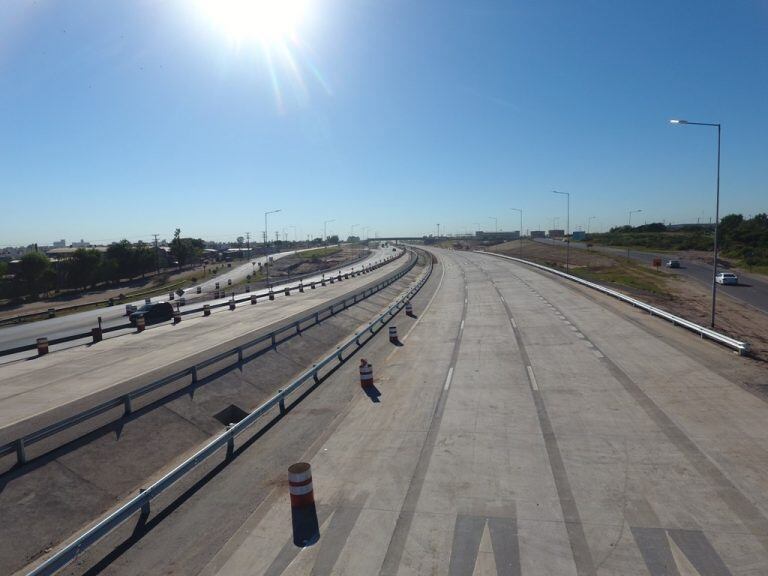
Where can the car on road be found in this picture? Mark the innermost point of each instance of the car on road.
(673, 264)
(726, 278)
(153, 313)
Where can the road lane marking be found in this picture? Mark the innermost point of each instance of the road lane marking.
(599, 354)
(532, 378)
(514, 324)
(462, 325)
(502, 298)
(448, 378)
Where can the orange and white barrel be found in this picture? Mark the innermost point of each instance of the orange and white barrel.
(253, 298)
(140, 324)
(42, 346)
(303, 512)
(393, 334)
(206, 309)
(366, 373)
(408, 309)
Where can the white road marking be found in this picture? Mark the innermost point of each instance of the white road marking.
(462, 326)
(599, 354)
(532, 378)
(514, 324)
(502, 298)
(448, 378)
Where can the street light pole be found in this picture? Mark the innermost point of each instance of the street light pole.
(266, 240)
(630, 227)
(495, 223)
(521, 228)
(325, 227)
(717, 208)
(567, 228)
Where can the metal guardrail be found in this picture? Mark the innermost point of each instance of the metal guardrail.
(125, 401)
(741, 347)
(141, 502)
(270, 290)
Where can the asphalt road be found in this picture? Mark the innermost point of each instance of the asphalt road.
(752, 289)
(23, 334)
(520, 430)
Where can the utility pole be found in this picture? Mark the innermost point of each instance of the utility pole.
(157, 254)
(248, 243)
(438, 230)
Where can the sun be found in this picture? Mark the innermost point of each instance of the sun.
(263, 21)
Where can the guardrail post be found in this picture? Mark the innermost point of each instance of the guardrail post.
(21, 451)
(127, 405)
(239, 355)
(194, 374)
(145, 508)
(339, 354)
(230, 444)
(281, 402)
(274, 343)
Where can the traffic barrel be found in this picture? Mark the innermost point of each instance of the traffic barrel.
(51, 312)
(217, 286)
(182, 301)
(331, 279)
(287, 291)
(96, 334)
(339, 277)
(140, 324)
(271, 294)
(206, 309)
(147, 300)
(312, 285)
(366, 373)
(232, 304)
(301, 287)
(199, 289)
(247, 287)
(306, 530)
(176, 317)
(322, 282)
(171, 295)
(42, 346)
(408, 309)
(253, 298)
(346, 275)
(393, 334)
(229, 281)
(129, 309)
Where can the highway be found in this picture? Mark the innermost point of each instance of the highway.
(22, 334)
(752, 289)
(525, 426)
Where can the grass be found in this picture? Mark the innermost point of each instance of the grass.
(318, 253)
(626, 275)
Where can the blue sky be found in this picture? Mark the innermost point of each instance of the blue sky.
(128, 118)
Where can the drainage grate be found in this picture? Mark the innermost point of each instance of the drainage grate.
(231, 415)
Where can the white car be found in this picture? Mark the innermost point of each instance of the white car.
(726, 278)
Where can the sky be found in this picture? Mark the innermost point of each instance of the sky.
(128, 118)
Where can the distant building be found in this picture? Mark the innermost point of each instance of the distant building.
(497, 236)
(81, 244)
(59, 243)
(538, 234)
(578, 235)
(556, 233)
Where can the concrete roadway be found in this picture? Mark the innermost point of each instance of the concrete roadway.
(46, 389)
(752, 289)
(22, 334)
(523, 428)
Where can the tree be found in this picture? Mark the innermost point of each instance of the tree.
(83, 268)
(32, 270)
(185, 249)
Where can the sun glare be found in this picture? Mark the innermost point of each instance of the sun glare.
(264, 21)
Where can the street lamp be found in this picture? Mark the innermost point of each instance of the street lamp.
(567, 228)
(521, 228)
(266, 240)
(495, 223)
(325, 226)
(630, 227)
(717, 208)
